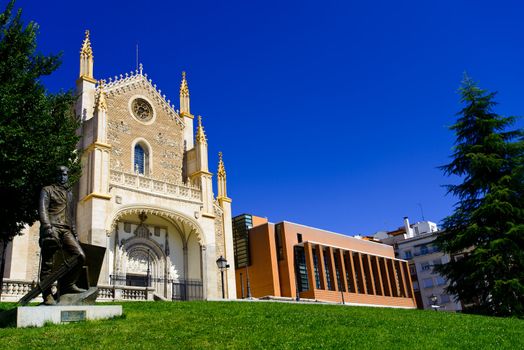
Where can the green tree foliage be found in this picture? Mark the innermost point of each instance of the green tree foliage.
(37, 129)
(487, 226)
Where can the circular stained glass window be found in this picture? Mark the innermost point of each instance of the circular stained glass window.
(142, 110)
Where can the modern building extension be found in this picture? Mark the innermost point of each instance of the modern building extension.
(286, 259)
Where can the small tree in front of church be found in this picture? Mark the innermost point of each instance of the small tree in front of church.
(37, 128)
(486, 229)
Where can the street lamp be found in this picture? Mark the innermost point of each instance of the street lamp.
(222, 265)
(433, 298)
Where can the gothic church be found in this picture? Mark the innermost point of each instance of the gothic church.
(146, 194)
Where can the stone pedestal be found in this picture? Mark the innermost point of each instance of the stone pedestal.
(37, 316)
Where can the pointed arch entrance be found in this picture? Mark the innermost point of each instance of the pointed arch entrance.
(155, 248)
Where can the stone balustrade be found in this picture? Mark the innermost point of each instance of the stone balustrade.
(127, 293)
(140, 182)
(14, 290)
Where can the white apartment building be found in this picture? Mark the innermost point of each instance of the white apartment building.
(415, 243)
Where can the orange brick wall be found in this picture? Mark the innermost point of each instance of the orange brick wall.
(268, 276)
(263, 273)
(333, 239)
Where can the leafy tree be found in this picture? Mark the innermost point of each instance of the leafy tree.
(487, 225)
(37, 129)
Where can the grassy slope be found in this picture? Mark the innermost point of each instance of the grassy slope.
(271, 325)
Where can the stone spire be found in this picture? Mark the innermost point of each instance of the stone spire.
(184, 89)
(221, 173)
(200, 135)
(184, 96)
(86, 58)
(221, 178)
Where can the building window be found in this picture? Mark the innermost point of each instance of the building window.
(423, 249)
(408, 254)
(428, 282)
(441, 281)
(301, 269)
(141, 159)
(337, 273)
(315, 265)
(326, 269)
(241, 226)
(425, 266)
(299, 237)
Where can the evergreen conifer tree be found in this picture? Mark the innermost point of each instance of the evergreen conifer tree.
(485, 234)
(37, 129)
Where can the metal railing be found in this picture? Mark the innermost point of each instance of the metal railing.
(187, 290)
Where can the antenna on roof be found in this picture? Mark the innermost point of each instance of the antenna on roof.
(421, 211)
(137, 55)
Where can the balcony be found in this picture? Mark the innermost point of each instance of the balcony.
(426, 251)
(146, 184)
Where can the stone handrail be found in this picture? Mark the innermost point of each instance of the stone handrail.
(140, 182)
(13, 290)
(107, 293)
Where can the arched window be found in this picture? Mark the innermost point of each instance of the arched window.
(141, 162)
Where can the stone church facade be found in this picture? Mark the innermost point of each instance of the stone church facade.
(146, 194)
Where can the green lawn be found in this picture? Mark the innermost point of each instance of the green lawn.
(263, 325)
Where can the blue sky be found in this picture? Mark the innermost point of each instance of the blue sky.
(331, 114)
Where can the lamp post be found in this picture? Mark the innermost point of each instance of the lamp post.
(433, 298)
(222, 266)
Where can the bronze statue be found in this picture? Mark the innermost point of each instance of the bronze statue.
(58, 234)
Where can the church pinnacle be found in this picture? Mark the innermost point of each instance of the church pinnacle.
(221, 178)
(221, 173)
(184, 96)
(184, 89)
(86, 58)
(201, 135)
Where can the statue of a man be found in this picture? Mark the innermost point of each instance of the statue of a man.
(58, 233)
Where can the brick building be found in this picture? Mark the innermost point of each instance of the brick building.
(277, 260)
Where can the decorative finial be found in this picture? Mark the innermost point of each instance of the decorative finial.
(200, 135)
(86, 58)
(86, 50)
(140, 68)
(184, 89)
(221, 168)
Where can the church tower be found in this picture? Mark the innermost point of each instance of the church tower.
(85, 85)
(94, 184)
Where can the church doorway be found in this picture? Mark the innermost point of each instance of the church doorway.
(156, 252)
